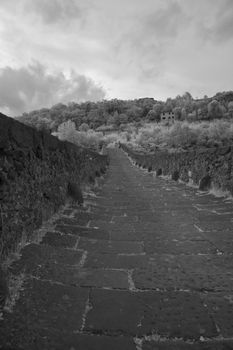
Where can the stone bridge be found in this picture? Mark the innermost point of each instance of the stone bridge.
(145, 264)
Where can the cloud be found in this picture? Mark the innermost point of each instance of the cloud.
(132, 47)
(150, 37)
(165, 22)
(223, 29)
(217, 27)
(32, 87)
(54, 11)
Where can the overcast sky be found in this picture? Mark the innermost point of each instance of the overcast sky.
(74, 50)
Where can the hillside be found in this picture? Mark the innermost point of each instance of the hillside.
(120, 112)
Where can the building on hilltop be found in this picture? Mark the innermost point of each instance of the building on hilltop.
(167, 118)
(106, 129)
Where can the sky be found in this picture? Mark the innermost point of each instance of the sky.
(55, 51)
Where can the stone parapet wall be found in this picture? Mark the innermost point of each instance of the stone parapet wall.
(203, 167)
(35, 170)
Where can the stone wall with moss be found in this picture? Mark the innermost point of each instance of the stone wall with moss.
(203, 167)
(35, 170)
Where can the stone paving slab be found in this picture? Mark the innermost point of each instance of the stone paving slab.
(218, 236)
(89, 232)
(114, 247)
(104, 214)
(224, 246)
(169, 314)
(220, 306)
(83, 217)
(214, 217)
(222, 262)
(179, 247)
(51, 340)
(119, 234)
(116, 261)
(69, 229)
(34, 256)
(124, 218)
(56, 239)
(185, 272)
(43, 306)
(207, 281)
(216, 226)
(112, 226)
(161, 272)
(84, 277)
(159, 278)
(209, 203)
(178, 345)
(150, 235)
(73, 221)
(69, 341)
(85, 342)
(213, 263)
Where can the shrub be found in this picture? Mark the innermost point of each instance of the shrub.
(88, 139)
(183, 135)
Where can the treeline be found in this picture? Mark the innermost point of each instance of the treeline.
(117, 113)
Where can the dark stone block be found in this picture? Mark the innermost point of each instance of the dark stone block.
(175, 175)
(205, 183)
(74, 191)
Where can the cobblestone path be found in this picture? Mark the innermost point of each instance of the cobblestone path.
(147, 264)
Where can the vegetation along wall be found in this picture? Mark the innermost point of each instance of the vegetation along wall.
(35, 172)
(201, 166)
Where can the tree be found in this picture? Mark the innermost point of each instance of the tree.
(177, 112)
(188, 102)
(169, 105)
(191, 117)
(214, 110)
(157, 108)
(116, 119)
(134, 113)
(67, 131)
(123, 118)
(84, 127)
(153, 116)
(183, 114)
(110, 119)
(57, 110)
(230, 108)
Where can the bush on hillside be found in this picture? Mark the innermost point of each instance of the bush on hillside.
(183, 135)
(89, 139)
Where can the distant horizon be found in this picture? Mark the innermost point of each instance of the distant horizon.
(109, 99)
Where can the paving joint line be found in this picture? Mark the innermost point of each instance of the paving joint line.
(88, 308)
(83, 259)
